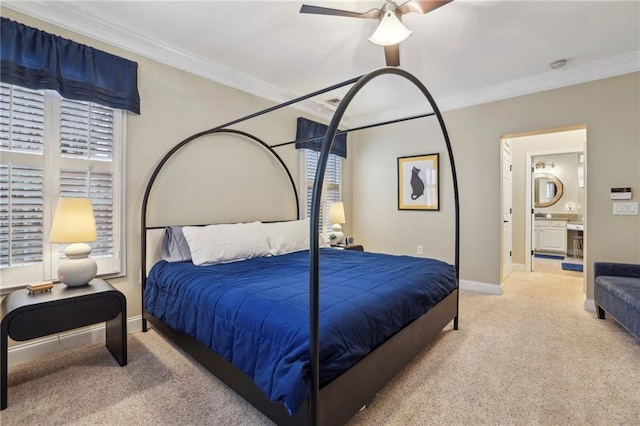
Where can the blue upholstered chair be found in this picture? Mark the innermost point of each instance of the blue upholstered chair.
(617, 292)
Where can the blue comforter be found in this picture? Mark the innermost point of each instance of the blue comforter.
(255, 313)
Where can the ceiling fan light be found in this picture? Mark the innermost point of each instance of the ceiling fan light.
(390, 31)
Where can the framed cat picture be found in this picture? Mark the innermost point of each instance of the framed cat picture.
(418, 182)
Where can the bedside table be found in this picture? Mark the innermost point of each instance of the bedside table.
(355, 247)
(28, 316)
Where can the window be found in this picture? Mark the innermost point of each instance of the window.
(332, 189)
(53, 147)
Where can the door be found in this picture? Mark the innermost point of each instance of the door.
(535, 226)
(507, 210)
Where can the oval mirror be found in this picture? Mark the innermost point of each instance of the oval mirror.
(547, 190)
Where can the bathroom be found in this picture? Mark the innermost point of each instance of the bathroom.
(558, 205)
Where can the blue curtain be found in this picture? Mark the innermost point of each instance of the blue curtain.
(309, 129)
(38, 60)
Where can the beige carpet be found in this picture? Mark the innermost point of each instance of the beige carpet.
(532, 356)
(554, 266)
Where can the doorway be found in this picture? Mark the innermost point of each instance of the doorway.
(546, 235)
(556, 185)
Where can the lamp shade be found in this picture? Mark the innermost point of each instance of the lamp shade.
(336, 213)
(73, 222)
(390, 31)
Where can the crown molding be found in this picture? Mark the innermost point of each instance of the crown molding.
(568, 76)
(73, 18)
(610, 67)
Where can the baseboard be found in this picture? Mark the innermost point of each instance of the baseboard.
(480, 287)
(518, 267)
(38, 349)
(589, 305)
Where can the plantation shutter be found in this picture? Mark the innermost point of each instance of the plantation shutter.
(86, 130)
(52, 147)
(331, 189)
(86, 170)
(21, 215)
(21, 119)
(99, 187)
(21, 176)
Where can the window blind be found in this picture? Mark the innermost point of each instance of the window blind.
(21, 215)
(53, 147)
(21, 119)
(99, 187)
(21, 182)
(86, 130)
(331, 189)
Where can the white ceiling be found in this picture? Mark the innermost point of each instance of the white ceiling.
(466, 52)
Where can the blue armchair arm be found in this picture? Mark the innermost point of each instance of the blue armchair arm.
(617, 269)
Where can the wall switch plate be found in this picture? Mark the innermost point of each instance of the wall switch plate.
(625, 208)
(419, 250)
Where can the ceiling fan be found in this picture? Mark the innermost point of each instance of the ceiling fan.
(390, 31)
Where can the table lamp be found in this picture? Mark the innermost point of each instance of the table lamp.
(336, 216)
(74, 223)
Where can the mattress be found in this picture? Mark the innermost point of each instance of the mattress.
(255, 313)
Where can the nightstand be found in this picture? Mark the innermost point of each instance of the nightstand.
(355, 247)
(28, 316)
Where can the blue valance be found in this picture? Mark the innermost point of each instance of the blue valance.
(38, 60)
(310, 129)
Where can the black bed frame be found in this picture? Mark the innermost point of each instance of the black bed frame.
(340, 399)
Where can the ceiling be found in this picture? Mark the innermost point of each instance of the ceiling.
(466, 52)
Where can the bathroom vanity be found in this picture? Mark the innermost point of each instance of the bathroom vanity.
(551, 236)
(558, 236)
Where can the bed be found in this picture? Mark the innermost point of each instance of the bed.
(309, 335)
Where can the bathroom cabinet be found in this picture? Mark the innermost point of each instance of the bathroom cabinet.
(551, 236)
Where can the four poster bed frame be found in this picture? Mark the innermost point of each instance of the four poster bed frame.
(339, 400)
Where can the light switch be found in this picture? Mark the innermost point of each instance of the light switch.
(625, 208)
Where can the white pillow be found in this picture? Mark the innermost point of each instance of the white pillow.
(226, 243)
(287, 237)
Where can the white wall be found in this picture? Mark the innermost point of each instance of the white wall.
(609, 109)
(378, 224)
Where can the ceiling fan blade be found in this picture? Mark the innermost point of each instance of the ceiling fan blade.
(392, 55)
(317, 10)
(421, 6)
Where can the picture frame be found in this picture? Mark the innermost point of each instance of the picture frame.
(419, 182)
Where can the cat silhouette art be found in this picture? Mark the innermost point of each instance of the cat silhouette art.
(417, 185)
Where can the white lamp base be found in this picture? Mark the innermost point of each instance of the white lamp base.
(336, 229)
(78, 269)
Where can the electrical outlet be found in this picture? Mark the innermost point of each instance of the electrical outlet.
(419, 250)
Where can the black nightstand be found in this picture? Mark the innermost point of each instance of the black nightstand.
(28, 316)
(355, 247)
